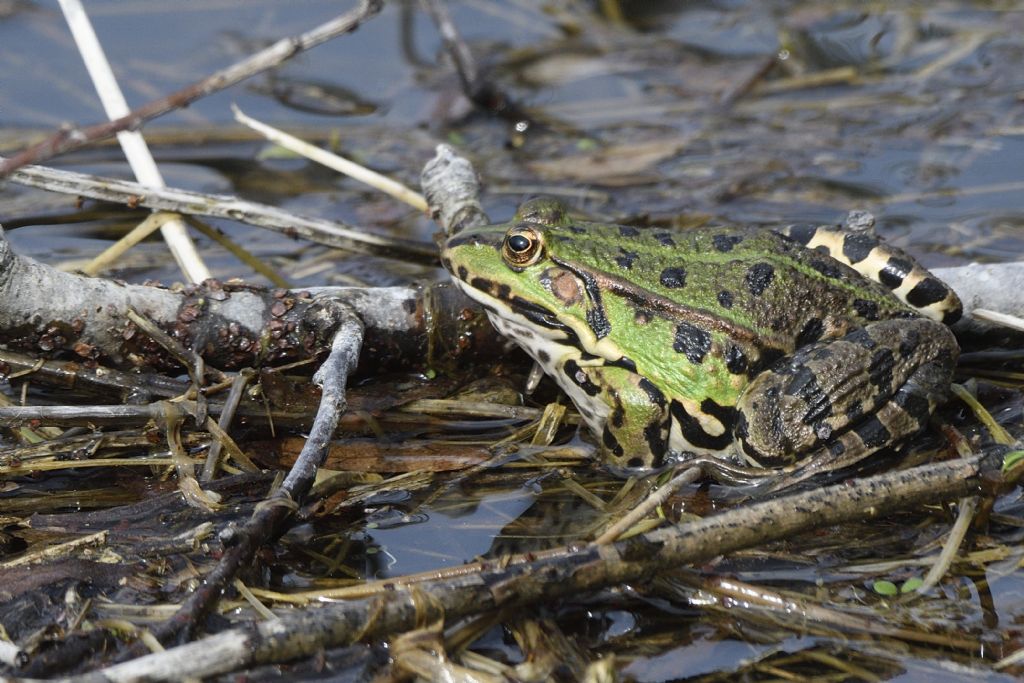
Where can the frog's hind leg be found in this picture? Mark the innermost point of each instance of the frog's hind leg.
(876, 260)
(832, 403)
(906, 413)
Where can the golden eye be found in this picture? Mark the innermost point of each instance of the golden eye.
(522, 247)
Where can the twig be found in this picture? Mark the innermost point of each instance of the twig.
(174, 348)
(452, 189)
(321, 231)
(462, 58)
(968, 506)
(238, 385)
(260, 608)
(481, 92)
(67, 140)
(999, 318)
(998, 432)
(105, 379)
(335, 162)
(268, 519)
(556, 573)
(223, 440)
(612, 533)
(809, 611)
(238, 251)
(188, 485)
(132, 142)
(52, 465)
(69, 416)
(108, 256)
(61, 550)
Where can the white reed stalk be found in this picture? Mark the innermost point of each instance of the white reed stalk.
(132, 142)
(333, 161)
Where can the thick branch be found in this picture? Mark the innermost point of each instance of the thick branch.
(50, 313)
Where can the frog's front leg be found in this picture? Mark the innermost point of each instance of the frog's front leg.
(627, 410)
(838, 401)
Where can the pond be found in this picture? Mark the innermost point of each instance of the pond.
(667, 114)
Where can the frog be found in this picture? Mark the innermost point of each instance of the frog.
(803, 346)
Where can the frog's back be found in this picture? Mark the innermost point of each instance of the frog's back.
(752, 284)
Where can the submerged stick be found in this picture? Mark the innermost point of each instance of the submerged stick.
(70, 139)
(479, 90)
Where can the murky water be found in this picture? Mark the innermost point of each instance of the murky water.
(675, 113)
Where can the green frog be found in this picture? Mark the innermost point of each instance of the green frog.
(807, 344)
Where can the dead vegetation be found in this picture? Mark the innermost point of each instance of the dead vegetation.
(184, 467)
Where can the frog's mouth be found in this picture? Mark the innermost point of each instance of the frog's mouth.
(499, 301)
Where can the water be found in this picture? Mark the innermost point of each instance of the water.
(918, 120)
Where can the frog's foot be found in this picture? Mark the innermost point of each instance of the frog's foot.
(833, 403)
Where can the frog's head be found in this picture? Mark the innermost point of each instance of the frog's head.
(514, 269)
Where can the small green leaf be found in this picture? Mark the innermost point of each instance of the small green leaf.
(887, 588)
(586, 144)
(911, 585)
(1011, 459)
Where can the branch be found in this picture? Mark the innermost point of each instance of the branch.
(556, 573)
(319, 230)
(52, 314)
(71, 139)
(452, 189)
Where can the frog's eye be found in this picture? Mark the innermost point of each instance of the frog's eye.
(522, 247)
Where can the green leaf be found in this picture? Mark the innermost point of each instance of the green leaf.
(911, 584)
(1011, 459)
(887, 588)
